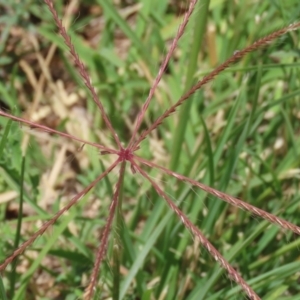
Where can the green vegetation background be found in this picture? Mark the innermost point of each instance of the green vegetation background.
(239, 134)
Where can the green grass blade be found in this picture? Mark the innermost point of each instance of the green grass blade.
(2, 290)
(200, 292)
(200, 17)
(4, 136)
(56, 233)
(18, 231)
(111, 12)
(143, 254)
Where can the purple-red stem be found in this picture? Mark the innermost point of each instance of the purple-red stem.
(236, 56)
(232, 273)
(225, 197)
(162, 69)
(104, 239)
(46, 225)
(48, 129)
(82, 70)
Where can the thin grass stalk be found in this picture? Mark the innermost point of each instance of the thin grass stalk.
(18, 232)
(116, 267)
(201, 13)
(198, 28)
(206, 79)
(162, 69)
(89, 292)
(46, 225)
(44, 128)
(227, 198)
(117, 247)
(232, 273)
(230, 256)
(82, 69)
(44, 64)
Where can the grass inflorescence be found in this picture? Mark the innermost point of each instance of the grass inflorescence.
(220, 124)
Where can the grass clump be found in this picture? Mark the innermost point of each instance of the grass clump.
(237, 134)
